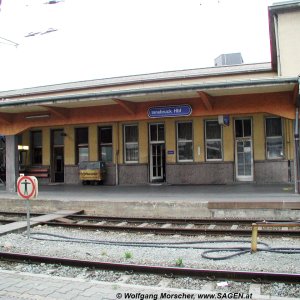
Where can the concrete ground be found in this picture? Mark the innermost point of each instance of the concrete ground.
(176, 201)
(161, 192)
(17, 286)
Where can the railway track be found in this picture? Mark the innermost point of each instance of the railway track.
(160, 270)
(176, 230)
(234, 227)
(88, 257)
(94, 218)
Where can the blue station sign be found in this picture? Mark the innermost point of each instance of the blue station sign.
(169, 111)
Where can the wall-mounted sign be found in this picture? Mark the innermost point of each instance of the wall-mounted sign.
(169, 111)
(171, 152)
(224, 120)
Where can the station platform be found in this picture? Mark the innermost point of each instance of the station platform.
(159, 200)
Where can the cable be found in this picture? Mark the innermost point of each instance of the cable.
(74, 239)
(61, 238)
(175, 245)
(239, 251)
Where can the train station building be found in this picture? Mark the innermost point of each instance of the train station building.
(228, 123)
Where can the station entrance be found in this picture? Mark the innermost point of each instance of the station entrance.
(57, 155)
(243, 149)
(157, 152)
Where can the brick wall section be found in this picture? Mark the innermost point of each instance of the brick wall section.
(200, 173)
(133, 174)
(110, 174)
(72, 174)
(191, 173)
(272, 171)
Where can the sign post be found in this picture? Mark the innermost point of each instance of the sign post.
(27, 187)
(28, 218)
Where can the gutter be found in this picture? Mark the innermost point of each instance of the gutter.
(286, 6)
(147, 91)
(275, 16)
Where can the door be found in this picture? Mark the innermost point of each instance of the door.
(243, 150)
(58, 162)
(57, 155)
(157, 152)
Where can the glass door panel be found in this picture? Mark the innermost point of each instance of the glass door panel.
(243, 150)
(157, 152)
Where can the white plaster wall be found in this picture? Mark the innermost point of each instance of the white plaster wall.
(289, 43)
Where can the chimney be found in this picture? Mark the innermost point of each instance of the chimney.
(229, 59)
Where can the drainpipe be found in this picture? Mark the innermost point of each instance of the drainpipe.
(277, 45)
(117, 156)
(296, 142)
(296, 158)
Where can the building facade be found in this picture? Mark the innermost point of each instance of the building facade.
(214, 125)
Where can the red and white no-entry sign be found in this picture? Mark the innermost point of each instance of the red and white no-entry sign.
(27, 187)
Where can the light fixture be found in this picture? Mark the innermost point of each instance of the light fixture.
(37, 116)
(23, 147)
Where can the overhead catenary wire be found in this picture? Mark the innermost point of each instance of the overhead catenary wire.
(9, 42)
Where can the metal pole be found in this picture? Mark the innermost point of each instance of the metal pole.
(117, 167)
(296, 158)
(254, 238)
(117, 155)
(28, 218)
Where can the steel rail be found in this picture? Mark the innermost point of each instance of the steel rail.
(173, 230)
(202, 273)
(19, 214)
(195, 221)
(6, 221)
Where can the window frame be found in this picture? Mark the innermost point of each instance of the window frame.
(77, 145)
(130, 143)
(100, 145)
(2, 152)
(33, 147)
(272, 137)
(177, 142)
(213, 140)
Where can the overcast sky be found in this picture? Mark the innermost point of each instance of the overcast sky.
(106, 38)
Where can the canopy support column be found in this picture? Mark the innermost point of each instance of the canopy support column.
(12, 163)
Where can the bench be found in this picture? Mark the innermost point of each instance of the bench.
(38, 172)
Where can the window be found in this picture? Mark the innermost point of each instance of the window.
(131, 147)
(2, 152)
(57, 137)
(243, 128)
(213, 140)
(274, 140)
(185, 141)
(105, 144)
(82, 144)
(36, 146)
(157, 133)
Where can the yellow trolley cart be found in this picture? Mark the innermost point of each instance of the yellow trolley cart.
(92, 172)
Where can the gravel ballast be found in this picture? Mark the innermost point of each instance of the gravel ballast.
(260, 261)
